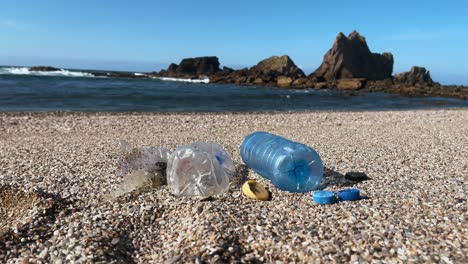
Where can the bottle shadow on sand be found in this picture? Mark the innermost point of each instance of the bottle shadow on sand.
(330, 178)
(334, 178)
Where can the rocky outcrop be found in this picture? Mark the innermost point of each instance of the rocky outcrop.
(416, 89)
(277, 66)
(199, 66)
(417, 75)
(349, 65)
(350, 57)
(44, 68)
(190, 68)
(274, 71)
(228, 75)
(416, 82)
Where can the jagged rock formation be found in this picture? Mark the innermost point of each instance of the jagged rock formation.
(272, 71)
(350, 57)
(277, 66)
(417, 75)
(348, 65)
(192, 68)
(416, 82)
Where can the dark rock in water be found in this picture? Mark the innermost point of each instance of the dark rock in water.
(416, 89)
(43, 68)
(228, 75)
(273, 71)
(220, 77)
(417, 75)
(350, 57)
(349, 65)
(192, 68)
(416, 83)
(380, 85)
(199, 66)
(121, 75)
(278, 66)
(356, 176)
(114, 74)
(172, 68)
(98, 73)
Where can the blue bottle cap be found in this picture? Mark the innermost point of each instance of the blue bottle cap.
(349, 195)
(324, 197)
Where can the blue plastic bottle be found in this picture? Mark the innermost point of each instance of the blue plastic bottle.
(289, 165)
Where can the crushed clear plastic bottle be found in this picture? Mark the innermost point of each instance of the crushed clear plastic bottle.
(289, 165)
(199, 169)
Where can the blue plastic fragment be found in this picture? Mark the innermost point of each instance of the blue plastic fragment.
(349, 195)
(324, 197)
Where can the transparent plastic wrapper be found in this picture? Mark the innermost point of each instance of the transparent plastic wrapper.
(134, 181)
(140, 167)
(289, 165)
(199, 169)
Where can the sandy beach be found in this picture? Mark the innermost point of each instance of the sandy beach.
(55, 169)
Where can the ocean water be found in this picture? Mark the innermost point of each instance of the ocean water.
(66, 90)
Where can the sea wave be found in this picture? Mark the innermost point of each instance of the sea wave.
(67, 73)
(26, 71)
(204, 80)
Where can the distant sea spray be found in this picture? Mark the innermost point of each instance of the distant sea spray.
(77, 73)
(26, 71)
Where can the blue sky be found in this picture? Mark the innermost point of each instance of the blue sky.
(148, 35)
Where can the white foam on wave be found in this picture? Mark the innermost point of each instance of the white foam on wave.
(205, 80)
(26, 71)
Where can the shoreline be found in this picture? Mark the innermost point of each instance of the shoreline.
(391, 85)
(228, 113)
